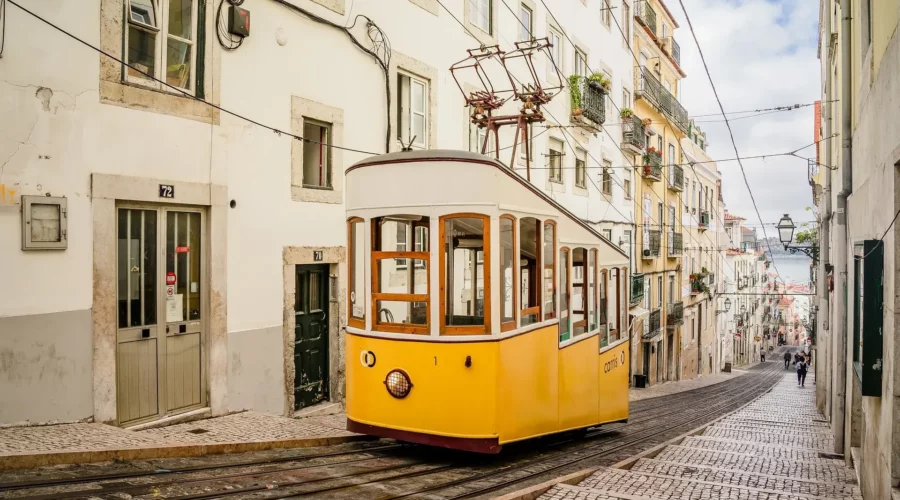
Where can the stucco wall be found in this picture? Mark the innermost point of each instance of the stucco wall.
(45, 367)
(255, 373)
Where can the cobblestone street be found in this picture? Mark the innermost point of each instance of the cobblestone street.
(776, 448)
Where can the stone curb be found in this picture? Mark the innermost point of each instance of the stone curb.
(28, 460)
(574, 478)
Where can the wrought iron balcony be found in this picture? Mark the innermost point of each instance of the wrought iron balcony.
(648, 87)
(634, 137)
(704, 220)
(652, 169)
(676, 178)
(651, 243)
(654, 324)
(646, 15)
(675, 314)
(637, 289)
(676, 244)
(589, 101)
(671, 47)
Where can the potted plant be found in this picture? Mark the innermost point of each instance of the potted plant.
(600, 82)
(626, 113)
(575, 94)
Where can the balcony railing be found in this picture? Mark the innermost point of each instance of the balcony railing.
(812, 167)
(675, 314)
(591, 100)
(704, 219)
(646, 15)
(653, 323)
(637, 289)
(651, 243)
(676, 244)
(648, 87)
(676, 178)
(633, 135)
(671, 47)
(652, 168)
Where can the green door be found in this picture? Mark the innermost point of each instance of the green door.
(311, 335)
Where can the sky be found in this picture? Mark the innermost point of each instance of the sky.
(761, 54)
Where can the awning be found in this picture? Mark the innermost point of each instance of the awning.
(638, 311)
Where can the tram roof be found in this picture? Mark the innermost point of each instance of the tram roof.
(429, 155)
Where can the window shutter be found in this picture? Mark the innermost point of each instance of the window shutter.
(869, 316)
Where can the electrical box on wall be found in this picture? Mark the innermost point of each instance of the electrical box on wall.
(238, 21)
(44, 223)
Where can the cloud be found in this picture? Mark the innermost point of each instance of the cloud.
(760, 54)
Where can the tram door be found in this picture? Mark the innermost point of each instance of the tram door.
(311, 335)
(160, 319)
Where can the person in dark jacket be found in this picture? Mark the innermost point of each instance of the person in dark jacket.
(801, 372)
(787, 360)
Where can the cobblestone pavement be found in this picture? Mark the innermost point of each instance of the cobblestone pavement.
(667, 388)
(776, 448)
(240, 427)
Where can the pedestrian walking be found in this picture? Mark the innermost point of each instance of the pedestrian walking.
(801, 372)
(787, 360)
(762, 355)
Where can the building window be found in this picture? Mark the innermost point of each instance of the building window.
(556, 48)
(521, 145)
(549, 270)
(605, 14)
(607, 233)
(626, 98)
(659, 143)
(463, 276)
(580, 169)
(626, 184)
(412, 112)
(607, 177)
(356, 273)
(160, 40)
(480, 12)
(626, 23)
(526, 26)
(316, 154)
(659, 291)
(507, 273)
(400, 293)
(580, 62)
(672, 154)
(555, 157)
(529, 270)
(665, 30)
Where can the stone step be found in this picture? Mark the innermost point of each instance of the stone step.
(750, 419)
(827, 470)
(818, 442)
(772, 429)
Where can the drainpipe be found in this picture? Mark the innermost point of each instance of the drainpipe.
(842, 368)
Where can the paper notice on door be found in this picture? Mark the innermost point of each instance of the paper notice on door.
(174, 309)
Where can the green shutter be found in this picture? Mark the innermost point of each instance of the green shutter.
(869, 310)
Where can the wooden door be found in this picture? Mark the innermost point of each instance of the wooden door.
(311, 335)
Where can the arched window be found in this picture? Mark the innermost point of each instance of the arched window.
(579, 300)
(549, 238)
(356, 287)
(400, 282)
(507, 273)
(465, 280)
(564, 331)
(529, 269)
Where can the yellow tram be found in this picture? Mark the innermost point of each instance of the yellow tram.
(481, 312)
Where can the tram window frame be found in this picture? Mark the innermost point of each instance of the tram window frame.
(485, 328)
(550, 293)
(593, 319)
(585, 299)
(392, 256)
(531, 315)
(603, 305)
(355, 245)
(508, 323)
(614, 334)
(564, 305)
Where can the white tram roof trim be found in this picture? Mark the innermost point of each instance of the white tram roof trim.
(468, 184)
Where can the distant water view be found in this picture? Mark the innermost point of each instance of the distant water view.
(793, 268)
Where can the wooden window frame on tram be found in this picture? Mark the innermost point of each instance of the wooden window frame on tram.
(352, 320)
(512, 324)
(484, 329)
(539, 264)
(399, 297)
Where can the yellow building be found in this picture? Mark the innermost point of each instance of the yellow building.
(653, 133)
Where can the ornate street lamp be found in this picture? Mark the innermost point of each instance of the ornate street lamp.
(786, 235)
(727, 306)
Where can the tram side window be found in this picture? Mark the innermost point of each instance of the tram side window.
(464, 276)
(614, 304)
(594, 316)
(579, 296)
(400, 274)
(564, 332)
(549, 270)
(602, 306)
(356, 273)
(529, 257)
(507, 273)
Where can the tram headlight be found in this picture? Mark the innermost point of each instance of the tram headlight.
(398, 384)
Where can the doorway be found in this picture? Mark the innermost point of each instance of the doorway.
(161, 302)
(311, 335)
(646, 356)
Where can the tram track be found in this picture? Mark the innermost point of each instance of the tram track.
(442, 474)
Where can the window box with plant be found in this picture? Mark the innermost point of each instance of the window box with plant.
(588, 97)
(653, 164)
(699, 282)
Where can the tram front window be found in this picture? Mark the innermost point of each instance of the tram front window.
(400, 274)
(464, 283)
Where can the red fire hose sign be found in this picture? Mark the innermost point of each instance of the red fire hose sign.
(170, 278)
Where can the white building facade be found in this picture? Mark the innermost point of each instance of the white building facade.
(168, 255)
